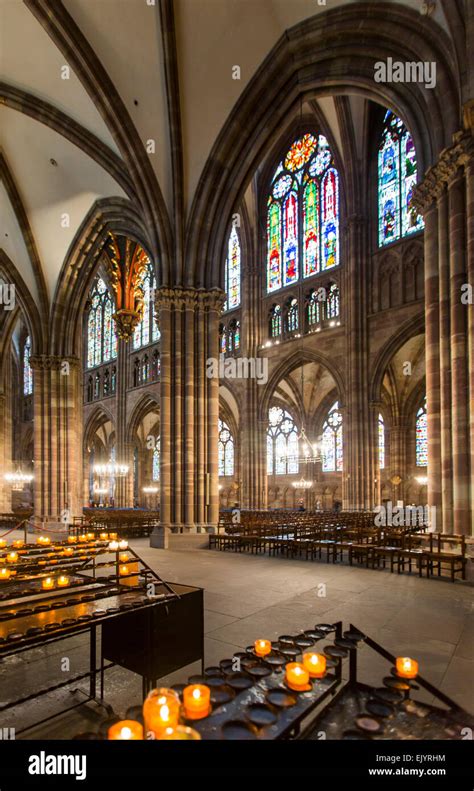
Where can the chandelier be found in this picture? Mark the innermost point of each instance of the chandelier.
(150, 489)
(302, 484)
(307, 451)
(18, 479)
(112, 468)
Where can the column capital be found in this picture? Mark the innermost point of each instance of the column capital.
(52, 362)
(444, 172)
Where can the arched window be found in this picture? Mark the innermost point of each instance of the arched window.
(303, 214)
(275, 321)
(397, 172)
(101, 335)
(232, 271)
(332, 302)
(381, 436)
(313, 308)
(147, 331)
(156, 461)
(27, 371)
(332, 441)
(233, 336)
(282, 443)
(422, 436)
(291, 319)
(222, 338)
(226, 450)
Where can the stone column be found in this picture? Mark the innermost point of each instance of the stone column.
(123, 495)
(189, 497)
(445, 364)
(57, 406)
(6, 464)
(469, 173)
(459, 379)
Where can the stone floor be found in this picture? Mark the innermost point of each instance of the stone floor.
(247, 597)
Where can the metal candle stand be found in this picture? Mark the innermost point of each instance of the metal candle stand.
(254, 702)
(32, 617)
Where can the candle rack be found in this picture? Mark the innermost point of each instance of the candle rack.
(97, 597)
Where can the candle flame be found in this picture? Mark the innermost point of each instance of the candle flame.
(298, 671)
(165, 712)
(196, 694)
(125, 733)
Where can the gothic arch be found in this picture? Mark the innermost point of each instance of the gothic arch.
(27, 305)
(414, 326)
(81, 264)
(96, 419)
(301, 64)
(147, 403)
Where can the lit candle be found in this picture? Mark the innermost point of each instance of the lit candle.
(12, 557)
(181, 732)
(68, 552)
(103, 536)
(262, 647)
(72, 540)
(406, 667)
(161, 711)
(5, 574)
(3, 543)
(315, 664)
(47, 584)
(113, 535)
(297, 677)
(83, 537)
(63, 581)
(124, 570)
(18, 544)
(113, 546)
(90, 536)
(126, 730)
(123, 557)
(123, 544)
(197, 701)
(44, 541)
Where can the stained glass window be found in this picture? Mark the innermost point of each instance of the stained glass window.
(232, 272)
(147, 330)
(282, 443)
(303, 214)
(223, 339)
(313, 309)
(332, 441)
(101, 335)
(332, 302)
(275, 321)
(422, 436)
(226, 450)
(156, 461)
(27, 371)
(292, 316)
(381, 434)
(397, 174)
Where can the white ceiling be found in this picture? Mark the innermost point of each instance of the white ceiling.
(212, 37)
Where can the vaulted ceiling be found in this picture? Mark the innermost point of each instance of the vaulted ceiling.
(172, 66)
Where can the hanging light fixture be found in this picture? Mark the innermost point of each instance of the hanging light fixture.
(302, 483)
(150, 489)
(113, 469)
(18, 479)
(307, 451)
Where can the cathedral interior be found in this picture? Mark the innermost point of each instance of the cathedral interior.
(236, 368)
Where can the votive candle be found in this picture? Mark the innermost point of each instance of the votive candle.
(126, 730)
(72, 540)
(47, 584)
(18, 544)
(197, 701)
(5, 574)
(12, 557)
(113, 546)
(63, 581)
(3, 543)
(123, 557)
(123, 544)
(68, 552)
(181, 732)
(297, 677)
(315, 664)
(161, 711)
(406, 667)
(103, 536)
(262, 647)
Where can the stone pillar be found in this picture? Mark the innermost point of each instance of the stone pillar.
(357, 490)
(123, 494)
(57, 403)
(6, 464)
(189, 324)
(469, 172)
(445, 363)
(459, 379)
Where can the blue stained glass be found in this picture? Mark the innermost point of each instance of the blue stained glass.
(27, 370)
(101, 334)
(232, 272)
(290, 236)
(333, 441)
(156, 461)
(282, 443)
(381, 437)
(422, 436)
(397, 176)
(330, 221)
(147, 330)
